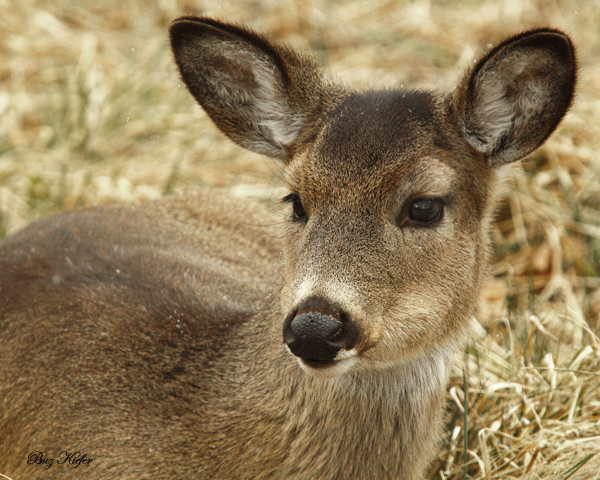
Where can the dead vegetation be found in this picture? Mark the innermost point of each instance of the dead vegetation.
(92, 111)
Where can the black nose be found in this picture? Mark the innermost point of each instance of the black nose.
(318, 330)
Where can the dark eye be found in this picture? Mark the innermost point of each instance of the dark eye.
(423, 212)
(298, 210)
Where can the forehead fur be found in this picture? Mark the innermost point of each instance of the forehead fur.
(374, 138)
(370, 125)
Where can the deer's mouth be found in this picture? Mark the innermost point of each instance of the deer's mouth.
(318, 363)
(329, 368)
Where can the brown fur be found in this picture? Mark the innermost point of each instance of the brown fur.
(150, 337)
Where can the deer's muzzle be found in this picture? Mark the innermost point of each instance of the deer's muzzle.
(317, 331)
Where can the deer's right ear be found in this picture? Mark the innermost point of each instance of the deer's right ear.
(258, 93)
(517, 95)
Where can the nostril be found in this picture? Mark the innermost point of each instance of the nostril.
(315, 325)
(308, 336)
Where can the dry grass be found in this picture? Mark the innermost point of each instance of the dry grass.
(92, 111)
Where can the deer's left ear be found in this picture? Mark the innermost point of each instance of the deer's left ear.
(516, 96)
(263, 96)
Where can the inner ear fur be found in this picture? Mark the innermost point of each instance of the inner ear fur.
(516, 96)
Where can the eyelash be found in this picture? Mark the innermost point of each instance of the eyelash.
(299, 214)
(422, 212)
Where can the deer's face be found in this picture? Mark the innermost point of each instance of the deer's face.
(390, 191)
(386, 235)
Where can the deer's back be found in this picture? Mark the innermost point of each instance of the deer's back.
(118, 311)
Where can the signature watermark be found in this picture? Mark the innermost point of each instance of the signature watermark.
(74, 459)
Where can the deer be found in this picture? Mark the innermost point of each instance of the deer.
(177, 339)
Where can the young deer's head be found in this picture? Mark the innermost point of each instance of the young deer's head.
(391, 191)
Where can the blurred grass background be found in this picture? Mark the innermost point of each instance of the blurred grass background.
(92, 111)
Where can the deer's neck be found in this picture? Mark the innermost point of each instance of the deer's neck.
(380, 424)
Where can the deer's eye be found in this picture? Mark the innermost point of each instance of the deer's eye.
(298, 210)
(422, 212)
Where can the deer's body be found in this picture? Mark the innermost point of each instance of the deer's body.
(150, 337)
(151, 379)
